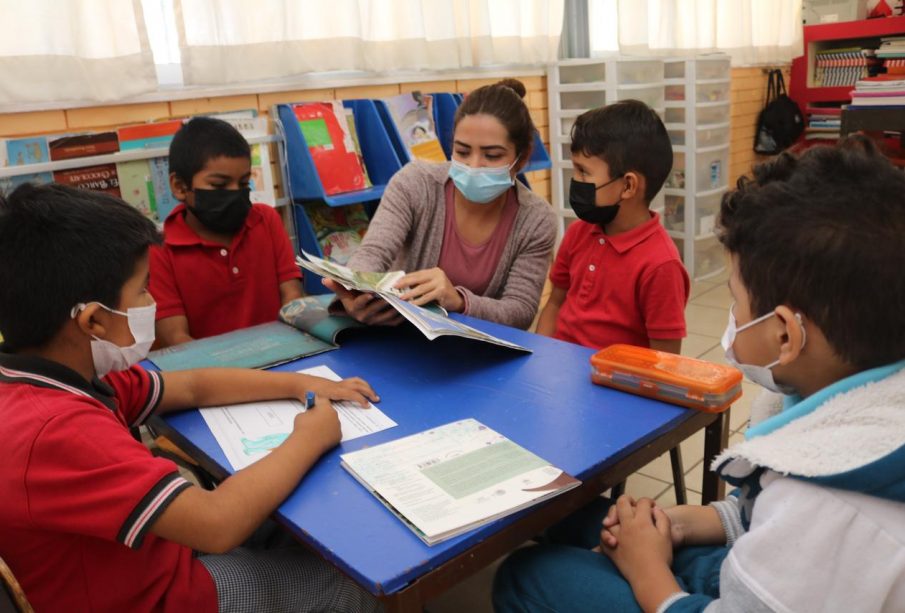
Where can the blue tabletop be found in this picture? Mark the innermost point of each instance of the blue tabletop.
(543, 401)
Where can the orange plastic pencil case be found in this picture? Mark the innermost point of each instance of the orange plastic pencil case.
(672, 378)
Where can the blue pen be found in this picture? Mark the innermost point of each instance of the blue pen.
(309, 400)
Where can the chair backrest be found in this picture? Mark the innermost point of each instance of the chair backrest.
(12, 597)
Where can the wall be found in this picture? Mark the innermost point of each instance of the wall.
(747, 93)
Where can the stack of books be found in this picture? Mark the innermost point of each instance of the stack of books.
(881, 91)
(840, 67)
(824, 123)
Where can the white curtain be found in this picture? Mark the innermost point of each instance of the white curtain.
(750, 31)
(73, 50)
(228, 41)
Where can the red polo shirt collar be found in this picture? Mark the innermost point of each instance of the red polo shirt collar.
(624, 241)
(178, 233)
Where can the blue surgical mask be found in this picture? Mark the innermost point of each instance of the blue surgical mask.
(482, 185)
(761, 375)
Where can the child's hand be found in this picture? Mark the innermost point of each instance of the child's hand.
(354, 389)
(429, 285)
(643, 535)
(676, 532)
(319, 425)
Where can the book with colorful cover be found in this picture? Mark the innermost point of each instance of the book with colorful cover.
(83, 145)
(100, 178)
(414, 119)
(155, 135)
(163, 195)
(250, 125)
(22, 152)
(339, 230)
(137, 188)
(329, 140)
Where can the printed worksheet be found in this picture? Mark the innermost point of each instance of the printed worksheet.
(247, 432)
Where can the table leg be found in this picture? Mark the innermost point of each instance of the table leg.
(716, 438)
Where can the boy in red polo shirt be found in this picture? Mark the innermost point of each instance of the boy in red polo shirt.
(617, 277)
(92, 521)
(225, 263)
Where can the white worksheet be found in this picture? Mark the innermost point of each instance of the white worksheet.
(247, 432)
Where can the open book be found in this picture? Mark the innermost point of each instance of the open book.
(431, 323)
(446, 481)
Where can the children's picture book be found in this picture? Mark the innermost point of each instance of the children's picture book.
(22, 152)
(83, 145)
(154, 135)
(454, 478)
(250, 125)
(137, 188)
(339, 230)
(248, 432)
(101, 178)
(414, 119)
(163, 195)
(429, 322)
(329, 140)
(258, 346)
(353, 132)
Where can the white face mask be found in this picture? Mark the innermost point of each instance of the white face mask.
(109, 356)
(761, 375)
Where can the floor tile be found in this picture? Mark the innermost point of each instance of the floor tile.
(693, 448)
(700, 287)
(694, 345)
(709, 321)
(718, 297)
(661, 469)
(668, 498)
(472, 595)
(716, 354)
(642, 486)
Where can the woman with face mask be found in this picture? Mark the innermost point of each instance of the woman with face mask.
(471, 237)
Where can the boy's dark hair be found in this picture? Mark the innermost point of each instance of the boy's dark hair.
(628, 136)
(503, 100)
(60, 246)
(203, 139)
(823, 233)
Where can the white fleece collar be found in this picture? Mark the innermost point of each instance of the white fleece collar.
(848, 431)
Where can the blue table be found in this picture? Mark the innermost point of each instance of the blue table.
(544, 401)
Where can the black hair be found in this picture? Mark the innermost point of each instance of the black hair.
(503, 100)
(60, 246)
(630, 137)
(203, 139)
(823, 233)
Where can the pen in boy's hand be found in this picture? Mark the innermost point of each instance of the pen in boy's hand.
(309, 400)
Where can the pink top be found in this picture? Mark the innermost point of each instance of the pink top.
(473, 266)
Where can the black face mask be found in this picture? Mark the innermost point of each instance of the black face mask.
(221, 210)
(582, 197)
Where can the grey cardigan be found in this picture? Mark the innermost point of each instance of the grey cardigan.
(407, 233)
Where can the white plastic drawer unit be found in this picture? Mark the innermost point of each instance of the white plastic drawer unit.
(716, 91)
(582, 100)
(706, 210)
(638, 72)
(582, 73)
(651, 96)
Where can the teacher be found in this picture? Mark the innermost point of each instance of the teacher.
(474, 239)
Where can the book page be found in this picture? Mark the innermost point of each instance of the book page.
(247, 432)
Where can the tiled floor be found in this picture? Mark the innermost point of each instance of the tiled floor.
(706, 317)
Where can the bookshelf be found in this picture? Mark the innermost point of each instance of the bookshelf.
(575, 86)
(820, 37)
(697, 120)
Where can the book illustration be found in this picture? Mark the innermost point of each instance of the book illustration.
(155, 135)
(261, 183)
(160, 180)
(83, 145)
(454, 478)
(248, 432)
(137, 188)
(23, 151)
(353, 132)
(339, 230)
(312, 315)
(429, 322)
(329, 140)
(101, 178)
(414, 119)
